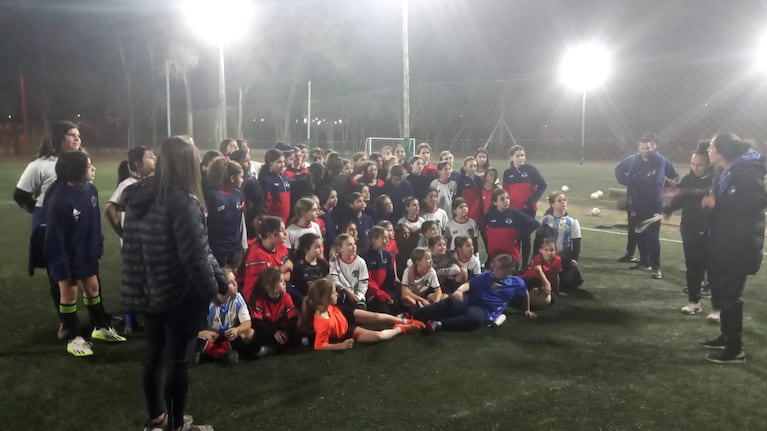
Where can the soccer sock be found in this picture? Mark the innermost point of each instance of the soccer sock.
(96, 311)
(68, 316)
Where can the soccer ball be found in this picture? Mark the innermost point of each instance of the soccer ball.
(538, 299)
(595, 211)
(600, 193)
(595, 195)
(565, 189)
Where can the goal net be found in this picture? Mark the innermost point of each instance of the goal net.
(373, 144)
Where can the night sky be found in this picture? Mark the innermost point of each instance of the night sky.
(689, 52)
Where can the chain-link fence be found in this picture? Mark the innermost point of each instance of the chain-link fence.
(681, 105)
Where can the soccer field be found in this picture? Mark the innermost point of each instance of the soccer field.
(616, 356)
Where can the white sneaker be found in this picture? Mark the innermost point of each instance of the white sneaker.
(713, 316)
(499, 320)
(692, 308)
(107, 334)
(79, 347)
(266, 350)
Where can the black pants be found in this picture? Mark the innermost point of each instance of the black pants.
(726, 291)
(631, 238)
(648, 241)
(695, 259)
(454, 315)
(170, 338)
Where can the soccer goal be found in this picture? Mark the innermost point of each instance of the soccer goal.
(374, 144)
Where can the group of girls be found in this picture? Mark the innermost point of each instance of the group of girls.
(390, 235)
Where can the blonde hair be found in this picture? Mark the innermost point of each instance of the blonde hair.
(303, 206)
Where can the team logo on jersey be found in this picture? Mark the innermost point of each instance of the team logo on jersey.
(94, 201)
(524, 175)
(75, 214)
(731, 190)
(652, 173)
(220, 208)
(508, 220)
(276, 184)
(355, 273)
(470, 232)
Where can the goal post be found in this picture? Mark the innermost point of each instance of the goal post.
(375, 143)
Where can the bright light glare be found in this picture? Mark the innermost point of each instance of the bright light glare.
(585, 66)
(221, 21)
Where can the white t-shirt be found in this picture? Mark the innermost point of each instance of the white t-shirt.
(455, 229)
(473, 266)
(439, 216)
(295, 232)
(445, 195)
(412, 226)
(37, 177)
(420, 286)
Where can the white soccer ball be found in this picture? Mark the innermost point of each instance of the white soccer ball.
(595, 211)
(595, 195)
(600, 193)
(565, 189)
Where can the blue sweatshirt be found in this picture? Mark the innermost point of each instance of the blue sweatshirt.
(73, 239)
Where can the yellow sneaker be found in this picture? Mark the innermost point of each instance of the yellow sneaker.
(107, 334)
(79, 347)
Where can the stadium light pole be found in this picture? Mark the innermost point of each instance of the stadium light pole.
(761, 54)
(220, 22)
(405, 78)
(585, 67)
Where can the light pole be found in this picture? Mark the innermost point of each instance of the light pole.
(405, 78)
(220, 22)
(585, 67)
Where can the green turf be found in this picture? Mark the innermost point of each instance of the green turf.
(618, 356)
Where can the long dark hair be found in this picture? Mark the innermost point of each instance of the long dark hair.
(178, 165)
(130, 167)
(71, 166)
(51, 146)
(271, 156)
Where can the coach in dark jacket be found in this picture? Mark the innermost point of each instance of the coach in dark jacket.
(169, 273)
(736, 234)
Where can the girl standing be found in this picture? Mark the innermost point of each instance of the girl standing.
(524, 185)
(565, 231)
(140, 164)
(226, 223)
(73, 246)
(275, 185)
(169, 275)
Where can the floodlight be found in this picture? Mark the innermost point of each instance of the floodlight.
(221, 21)
(585, 66)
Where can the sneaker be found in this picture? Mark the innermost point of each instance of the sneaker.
(107, 334)
(640, 266)
(411, 321)
(498, 321)
(431, 327)
(164, 424)
(266, 350)
(79, 347)
(656, 274)
(62, 333)
(195, 427)
(692, 308)
(725, 357)
(713, 316)
(627, 259)
(715, 344)
(232, 357)
(409, 328)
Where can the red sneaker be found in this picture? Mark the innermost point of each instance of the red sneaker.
(409, 328)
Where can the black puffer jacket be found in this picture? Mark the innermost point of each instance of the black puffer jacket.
(736, 224)
(166, 257)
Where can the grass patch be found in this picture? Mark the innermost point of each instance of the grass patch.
(617, 356)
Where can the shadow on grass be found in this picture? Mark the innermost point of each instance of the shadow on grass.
(576, 313)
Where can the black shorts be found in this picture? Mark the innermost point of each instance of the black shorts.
(348, 313)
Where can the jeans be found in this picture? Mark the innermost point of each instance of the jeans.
(454, 315)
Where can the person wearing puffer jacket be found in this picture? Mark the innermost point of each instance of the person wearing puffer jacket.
(169, 276)
(736, 237)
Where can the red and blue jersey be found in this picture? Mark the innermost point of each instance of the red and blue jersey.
(525, 186)
(292, 172)
(504, 228)
(256, 260)
(380, 274)
(276, 195)
(470, 189)
(225, 210)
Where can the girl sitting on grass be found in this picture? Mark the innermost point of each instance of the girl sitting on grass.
(420, 285)
(349, 272)
(309, 265)
(335, 326)
(542, 277)
(274, 313)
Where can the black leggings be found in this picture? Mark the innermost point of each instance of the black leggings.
(170, 338)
